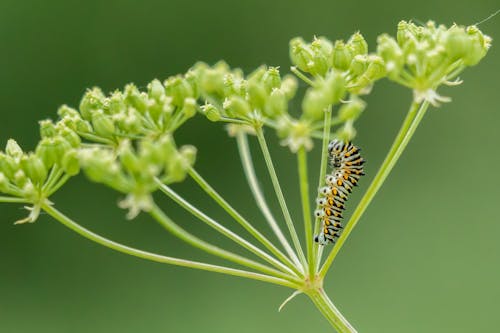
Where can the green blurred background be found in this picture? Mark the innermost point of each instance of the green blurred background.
(425, 257)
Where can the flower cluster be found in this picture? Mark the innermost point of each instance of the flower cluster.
(126, 139)
(424, 57)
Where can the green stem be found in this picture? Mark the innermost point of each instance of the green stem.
(66, 221)
(279, 194)
(322, 173)
(248, 168)
(13, 200)
(241, 220)
(306, 206)
(330, 312)
(194, 241)
(415, 115)
(226, 232)
(301, 75)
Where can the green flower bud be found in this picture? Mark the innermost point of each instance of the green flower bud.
(47, 128)
(389, 50)
(314, 104)
(257, 94)
(376, 68)
(128, 158)
(479, 46)
(234, 85)
(8, 165)
(237, 107)
(34, 168)
(403, 33)
(188, 153)
(271, 79)
(179, 89)
(335, 87)
(359, 65)
(189, 108)
(289, 86)
(20, 179)
(342, 56)
(321, 59)
(193, 81)
(300, 54)
(116, 103)
(13, 149)
(323, 47)
(4, 183)
(357, 44)
(212, 81)
(258, 74)
(276, 105)
(101, 167)
(82, 126)
(134, 98)
(93, 99)
(457, 43)
(156, 89)
(211, 112)
(66, 112)
(70, 163)
(103, 124)
(351, 110)
(52, 150)
(71, 137)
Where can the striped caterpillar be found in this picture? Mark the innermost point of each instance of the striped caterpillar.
(347, 169)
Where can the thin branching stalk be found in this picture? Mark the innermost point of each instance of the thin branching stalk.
(280, 196)
(318, 250)
(306, 206)
(221, 229)
(240, 219)
(13, 200)
(410, 124)
(194, 241)
(248, 168)
(66, 221)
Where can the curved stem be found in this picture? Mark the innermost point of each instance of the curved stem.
(415, 115)
(279, 194)
(240, 219)
(226, 232)
(306, 207)
(331, 313)
(194, 241)
(248, 168)
(66, 221)
(322, 173)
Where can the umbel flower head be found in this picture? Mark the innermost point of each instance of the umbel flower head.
(424, 57)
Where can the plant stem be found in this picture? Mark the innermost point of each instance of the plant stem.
(331, 313)
(306, 206)
(322, 173)
(241, 220)
(66, 221)
(226, 232)
(13, 200)
(410, 124)
(194, 241)
(279, 194)
(248, 168)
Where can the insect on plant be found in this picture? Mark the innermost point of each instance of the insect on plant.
(127, 141)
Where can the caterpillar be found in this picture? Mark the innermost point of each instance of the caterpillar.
(347, 169)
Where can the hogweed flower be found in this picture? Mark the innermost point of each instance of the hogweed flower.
(126, 140)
